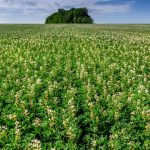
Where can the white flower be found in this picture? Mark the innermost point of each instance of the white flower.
(35, 144)
(38, 81)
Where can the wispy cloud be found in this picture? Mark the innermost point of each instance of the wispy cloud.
(103, 5)
(45, 7)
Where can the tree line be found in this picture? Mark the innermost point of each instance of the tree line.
(74, 15)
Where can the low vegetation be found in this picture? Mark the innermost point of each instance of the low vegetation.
(74, 87)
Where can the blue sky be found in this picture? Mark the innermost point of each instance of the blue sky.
(102, 11)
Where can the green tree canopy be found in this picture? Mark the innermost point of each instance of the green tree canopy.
(74, 15)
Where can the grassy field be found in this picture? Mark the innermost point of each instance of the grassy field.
(74, 87)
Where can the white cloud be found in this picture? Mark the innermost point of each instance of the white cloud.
(54, 4)
(112, 8)
(45, 7)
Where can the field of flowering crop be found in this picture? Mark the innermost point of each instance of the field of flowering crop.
(75, 87)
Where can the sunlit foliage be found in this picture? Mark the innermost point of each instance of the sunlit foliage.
(74, 87)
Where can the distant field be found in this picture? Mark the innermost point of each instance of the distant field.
(75, 87)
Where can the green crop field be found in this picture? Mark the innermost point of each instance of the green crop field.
(75, 87)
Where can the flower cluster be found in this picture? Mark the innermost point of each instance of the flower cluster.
(74, 87)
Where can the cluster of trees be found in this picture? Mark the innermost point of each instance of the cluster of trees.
(74, 15)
